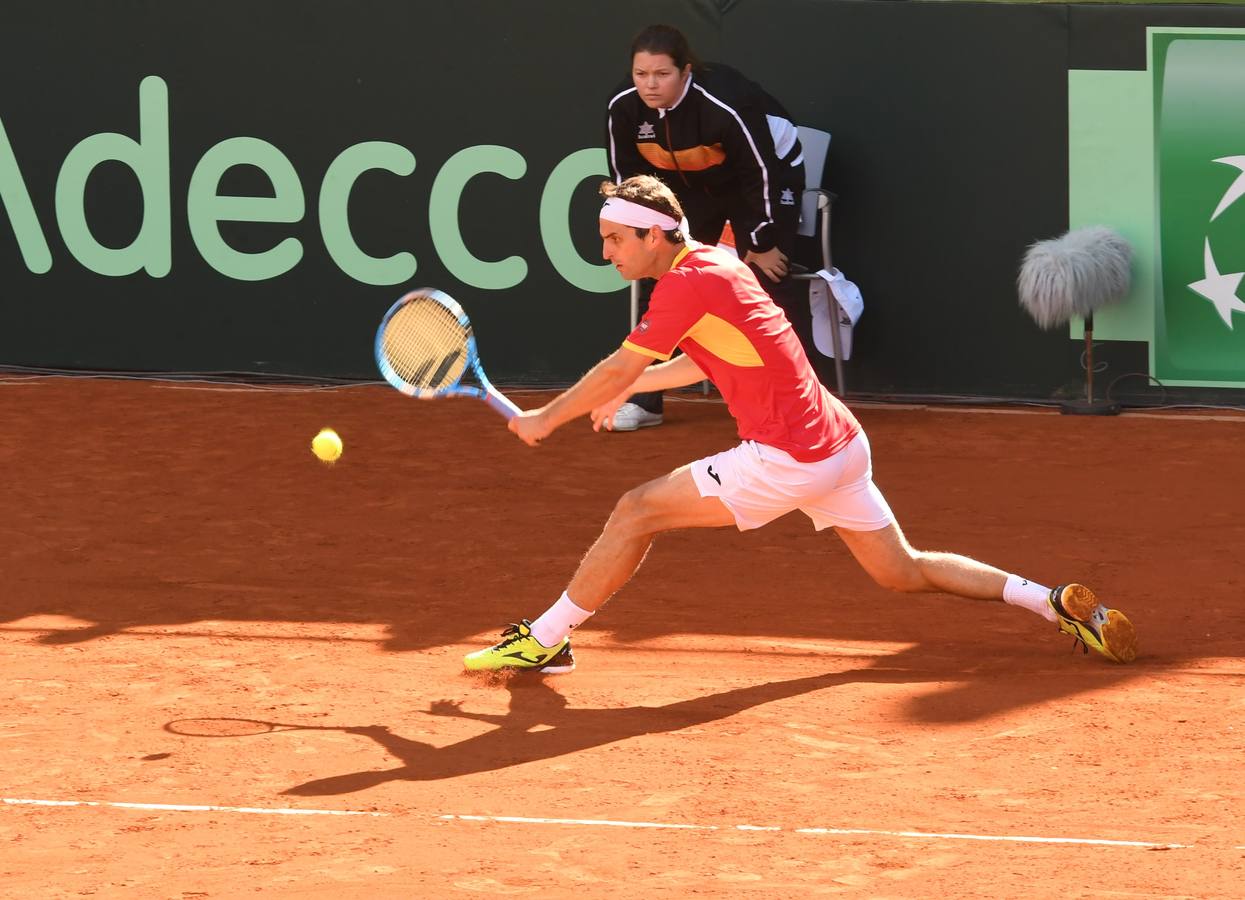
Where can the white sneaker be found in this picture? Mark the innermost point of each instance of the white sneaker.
(630, 417)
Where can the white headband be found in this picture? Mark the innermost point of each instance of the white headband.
(624, 212)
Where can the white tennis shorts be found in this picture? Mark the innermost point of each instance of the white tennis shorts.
(759, 483)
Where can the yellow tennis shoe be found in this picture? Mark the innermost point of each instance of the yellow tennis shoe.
(518, 649)
(1093, 625)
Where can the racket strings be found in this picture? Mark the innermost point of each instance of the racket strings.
(426, 344)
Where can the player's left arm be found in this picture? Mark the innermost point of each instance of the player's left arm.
(674, 373)
(605, 380)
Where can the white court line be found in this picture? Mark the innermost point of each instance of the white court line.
(524, 820)
(609, 823)
(183, 807)
(1016, 838)
(1099, 842)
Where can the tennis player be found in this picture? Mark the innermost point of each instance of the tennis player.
(800, 447)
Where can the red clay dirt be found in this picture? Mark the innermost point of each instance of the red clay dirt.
(752, 712)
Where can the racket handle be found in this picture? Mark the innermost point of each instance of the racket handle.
(500, 403)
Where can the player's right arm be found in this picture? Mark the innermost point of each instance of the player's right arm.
(605, 380)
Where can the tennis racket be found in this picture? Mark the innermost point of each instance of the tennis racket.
(424, 348)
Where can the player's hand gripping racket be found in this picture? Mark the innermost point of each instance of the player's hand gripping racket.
(424, 347)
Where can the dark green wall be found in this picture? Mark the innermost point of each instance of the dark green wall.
(949, 156)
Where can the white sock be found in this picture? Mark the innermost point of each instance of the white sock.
(558, 621)
(1030, 595)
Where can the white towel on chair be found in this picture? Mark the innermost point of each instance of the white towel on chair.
(851, 305)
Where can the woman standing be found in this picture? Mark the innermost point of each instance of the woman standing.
(730, 153)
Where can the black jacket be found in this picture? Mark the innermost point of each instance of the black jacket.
(723, 132)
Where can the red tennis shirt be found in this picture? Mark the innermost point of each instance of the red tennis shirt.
(711, 306)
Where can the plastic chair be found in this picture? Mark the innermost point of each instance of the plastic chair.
(815, 210)
(815, 207)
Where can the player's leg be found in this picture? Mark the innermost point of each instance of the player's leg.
(892, 562)
(865, 523)
(856, 509)
(664, 504)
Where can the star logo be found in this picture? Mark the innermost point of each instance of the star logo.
(1220, 288)
(1238, 187)
(647, 132)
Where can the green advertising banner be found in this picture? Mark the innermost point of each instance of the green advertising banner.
(1199, 135)
(1159, 155)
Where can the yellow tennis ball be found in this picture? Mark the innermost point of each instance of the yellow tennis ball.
(326, 445)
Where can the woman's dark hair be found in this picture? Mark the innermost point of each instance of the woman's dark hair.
(667, 39)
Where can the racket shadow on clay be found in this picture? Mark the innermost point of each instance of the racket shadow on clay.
(222, 727)
(566, 730)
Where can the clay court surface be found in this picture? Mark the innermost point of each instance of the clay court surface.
(750, 716)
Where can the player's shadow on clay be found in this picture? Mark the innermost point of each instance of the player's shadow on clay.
(563, 730)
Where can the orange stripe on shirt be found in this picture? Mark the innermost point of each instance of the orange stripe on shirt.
(719, 337)
(694, 159)
(725, 341)
(645, 351)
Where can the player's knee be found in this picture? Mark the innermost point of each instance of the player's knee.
(639, 512)
(905, 576)
(630, 511)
